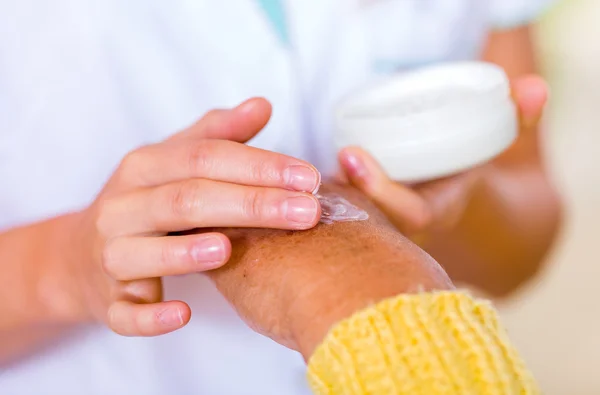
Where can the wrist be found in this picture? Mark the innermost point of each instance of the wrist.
(312, 317)
(316, 310)
(60, 282)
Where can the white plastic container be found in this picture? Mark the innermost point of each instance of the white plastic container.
(433, 122)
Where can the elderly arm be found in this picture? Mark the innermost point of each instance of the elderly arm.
(357, 298)
(314, 278)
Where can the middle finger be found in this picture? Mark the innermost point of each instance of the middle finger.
(218, 160)
(200, 203)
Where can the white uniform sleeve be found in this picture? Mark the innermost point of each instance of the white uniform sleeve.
(512, 13)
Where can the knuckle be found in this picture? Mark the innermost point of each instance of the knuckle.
(132, 161)
(184, 199)
(254, 205)
(110, 260)
(199, 157)
(265, 172)
(212, 115)
(104, 218)
(111, 319)
(168, 255)
(213, 121)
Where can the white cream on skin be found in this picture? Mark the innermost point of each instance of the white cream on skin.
(335, 208)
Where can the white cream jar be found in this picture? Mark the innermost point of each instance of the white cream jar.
(433, 122)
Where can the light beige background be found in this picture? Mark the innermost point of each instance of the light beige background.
(556, 320)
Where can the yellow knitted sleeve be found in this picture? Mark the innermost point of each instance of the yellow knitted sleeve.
(430, 343)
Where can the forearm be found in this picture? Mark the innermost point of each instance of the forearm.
(371, 312)
(505, 234)
(35, 287)
(514, 214)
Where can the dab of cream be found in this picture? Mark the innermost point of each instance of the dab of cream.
(335, 208)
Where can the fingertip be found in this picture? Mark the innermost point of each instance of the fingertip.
(533, 83)
(303, 177)
(258, 109)
(148, 320)
(351, 160)
(364, 156)
(301, 211)
(350, 150)
(362, 169)
(184, 311)
(226, 244)
(251, 117)
(210, 251)
(319, 181)
(531, 93)
(319, 212)
(166, 317)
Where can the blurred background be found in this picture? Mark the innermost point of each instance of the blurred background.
(555, 321)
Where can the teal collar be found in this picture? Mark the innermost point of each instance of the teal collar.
(275, 11)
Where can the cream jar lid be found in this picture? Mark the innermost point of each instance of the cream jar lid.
(432, 122)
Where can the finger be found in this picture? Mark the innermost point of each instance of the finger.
(530, 94)
(130, 319)
(198, 203)
(448, 198)
(145, 291)
(238, 124)
(219, 160)
(132, 258)
(403, 206)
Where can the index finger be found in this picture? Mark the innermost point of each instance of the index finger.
(218, 160)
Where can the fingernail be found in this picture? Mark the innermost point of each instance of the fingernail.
(209, 251)
(171, 317)
(354, 166)
(302, 178)
(301, 210)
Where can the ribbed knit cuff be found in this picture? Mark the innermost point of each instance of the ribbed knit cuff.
(430, 343)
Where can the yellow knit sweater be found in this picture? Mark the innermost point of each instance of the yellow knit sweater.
(433, 343)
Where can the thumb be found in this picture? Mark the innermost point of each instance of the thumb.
(530, 94)
(237, 124)
(404, 207)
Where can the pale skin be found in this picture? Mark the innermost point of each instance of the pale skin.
(82, 268)
(104, 264)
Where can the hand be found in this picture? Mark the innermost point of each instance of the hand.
(440, 204)
(125, 240)
(293, 286)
